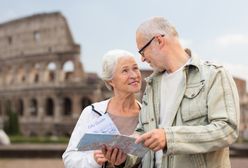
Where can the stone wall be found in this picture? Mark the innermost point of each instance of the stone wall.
(41, 76)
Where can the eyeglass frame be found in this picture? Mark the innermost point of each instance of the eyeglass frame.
(141, 51)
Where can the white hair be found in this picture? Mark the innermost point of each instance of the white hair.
(156, 25)
(109, 62)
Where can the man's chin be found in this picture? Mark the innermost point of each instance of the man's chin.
(155, 69)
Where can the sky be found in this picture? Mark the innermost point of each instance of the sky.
(215, 30)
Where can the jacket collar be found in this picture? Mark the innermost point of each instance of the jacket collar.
(194, 64)
(101, 106)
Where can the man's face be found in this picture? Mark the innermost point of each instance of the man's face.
(149, 51)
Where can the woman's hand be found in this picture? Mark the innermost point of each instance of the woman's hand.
(99, 157)
(114, 155)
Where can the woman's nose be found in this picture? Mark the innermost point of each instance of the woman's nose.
(133, 74)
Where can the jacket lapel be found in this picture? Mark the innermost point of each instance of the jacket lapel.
(193, 76)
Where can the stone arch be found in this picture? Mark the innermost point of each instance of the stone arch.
(67, 103)
(9, 75)
(37, 67)
(10, 40)
(68, 69)
(51, 66)
(85, 101)
(51, 71)
(36, 78)
(33, 107)
(49, 107)
(20, 74)
(8, 107)
(37, 36)
(34, 73)
(20, 107)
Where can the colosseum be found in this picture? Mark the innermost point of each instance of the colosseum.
(43, 81)
(41, 76)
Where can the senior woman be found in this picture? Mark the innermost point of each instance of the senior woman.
(122, 76)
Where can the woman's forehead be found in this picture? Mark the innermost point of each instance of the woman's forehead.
(127, 60)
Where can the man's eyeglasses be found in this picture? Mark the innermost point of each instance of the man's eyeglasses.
(141, 51)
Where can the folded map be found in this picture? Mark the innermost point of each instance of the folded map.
(95, 141)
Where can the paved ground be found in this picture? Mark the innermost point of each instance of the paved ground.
(31, 163)
(57, 163)
(239, 162)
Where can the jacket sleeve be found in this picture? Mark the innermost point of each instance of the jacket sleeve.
(78, 159)
(132, 162)
(222, 104)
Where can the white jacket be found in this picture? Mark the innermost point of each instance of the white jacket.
(4, 139)
(78, 159)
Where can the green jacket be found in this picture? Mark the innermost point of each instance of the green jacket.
(205, 118)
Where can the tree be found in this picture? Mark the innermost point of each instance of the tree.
(12, 126)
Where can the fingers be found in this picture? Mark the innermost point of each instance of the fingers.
(104, 149)
(143, 137)
(99, 157)
(120, 157)
(154, 140)
(150, 143)
(108, 153)
(114, 155)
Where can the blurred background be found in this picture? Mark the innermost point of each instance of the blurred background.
(50, 64)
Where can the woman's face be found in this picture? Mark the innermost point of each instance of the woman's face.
(127, 76)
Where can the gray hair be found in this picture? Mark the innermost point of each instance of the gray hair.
(156, 25)
(109, 62)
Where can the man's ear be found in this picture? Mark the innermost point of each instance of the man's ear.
(161, 41)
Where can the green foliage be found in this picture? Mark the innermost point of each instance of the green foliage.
(12, 126)
(38, 139)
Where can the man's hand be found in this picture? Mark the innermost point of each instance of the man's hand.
(99, 157)
(154, 139)
(114, 155)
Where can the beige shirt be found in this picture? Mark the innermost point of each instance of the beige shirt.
(125, 125)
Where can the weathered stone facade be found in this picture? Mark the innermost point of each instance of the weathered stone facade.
(243, 96)
(41, 76)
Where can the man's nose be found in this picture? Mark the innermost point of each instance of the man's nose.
(143, 59)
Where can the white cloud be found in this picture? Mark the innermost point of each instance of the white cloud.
(237, 70)
(231, 40)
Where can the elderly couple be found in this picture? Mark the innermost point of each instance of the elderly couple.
(189, 114)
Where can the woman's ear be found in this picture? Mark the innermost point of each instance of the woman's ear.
(110, 82)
